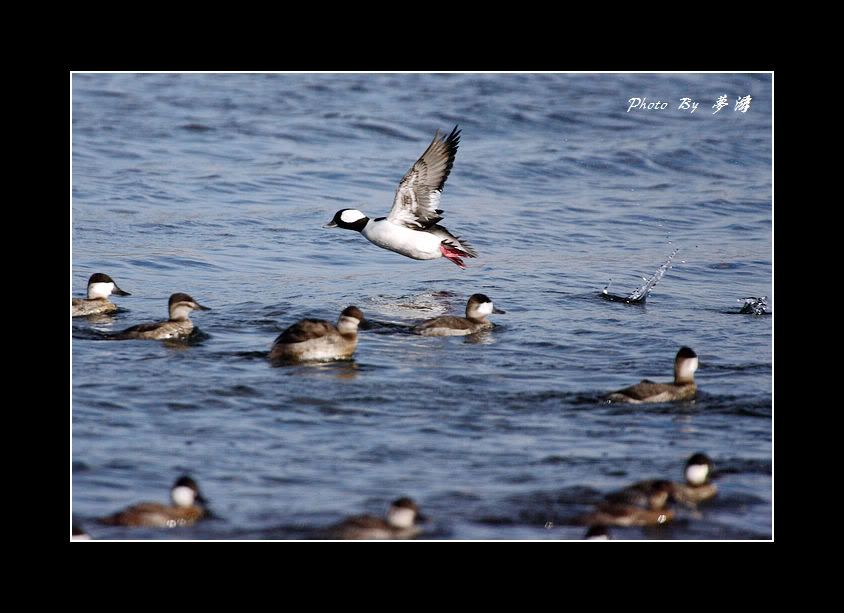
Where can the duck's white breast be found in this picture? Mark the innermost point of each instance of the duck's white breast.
(415, 244)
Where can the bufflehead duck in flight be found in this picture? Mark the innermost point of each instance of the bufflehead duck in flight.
(411, 227)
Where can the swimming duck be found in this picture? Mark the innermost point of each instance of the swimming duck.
(100, 287)
(683, 388)
(317, 339)
(477, 309)
(642, 504)
(410, 228)
(697, 487)
(178, 326)
(188, 507)
(400, 523)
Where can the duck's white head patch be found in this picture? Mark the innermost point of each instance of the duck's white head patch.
(696, 474)
(686, 367)
(401, 517)
(100, 290)
(351, 216)
(183, 496)
(485, 308)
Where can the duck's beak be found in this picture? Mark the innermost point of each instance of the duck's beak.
(497, 310)
(422, 519)
(198, 306)
(330, 224)
(119, 292)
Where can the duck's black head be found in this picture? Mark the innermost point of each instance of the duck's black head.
(348, 219)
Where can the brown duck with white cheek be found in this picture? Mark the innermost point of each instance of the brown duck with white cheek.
(100, 287)
(641, 504)
(683, 388)
(645, 503)
(188, 507)
(400, 523)
(317, 339)
(477, 310)
(178, 326)
(697, 487)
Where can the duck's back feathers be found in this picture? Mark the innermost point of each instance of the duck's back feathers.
(161, 330)
(306, 330)
(648, 391)
(448, 325)
(369, 527)
(135, 515)
(153, 514)
(140, 328)
(91, 306)
(621, 515)
(447, 321)
(364, 522)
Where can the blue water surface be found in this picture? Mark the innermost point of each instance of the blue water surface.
(218, 185)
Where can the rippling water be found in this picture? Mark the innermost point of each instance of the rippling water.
(218, 185)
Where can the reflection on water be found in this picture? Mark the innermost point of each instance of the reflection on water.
(345, 368)
(484, 337)
(426, 304)
(100, 318)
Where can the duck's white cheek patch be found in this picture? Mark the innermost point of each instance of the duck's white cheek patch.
(180, 310)
(688, 367)
(183, 496)
(351, 216)
(401, 518)
(348, 324)
(697, 473)
(100, 290)
(485, 308)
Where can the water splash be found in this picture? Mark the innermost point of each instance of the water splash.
(754, 306)
(640, 294)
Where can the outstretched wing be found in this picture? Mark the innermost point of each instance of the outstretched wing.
(419, 192)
